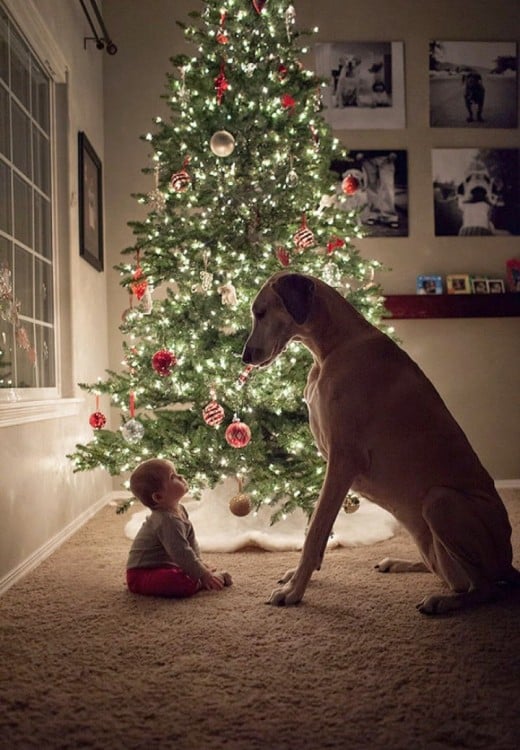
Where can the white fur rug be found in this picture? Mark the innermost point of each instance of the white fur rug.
(218, 530)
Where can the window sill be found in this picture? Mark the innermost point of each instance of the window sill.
(21, 412)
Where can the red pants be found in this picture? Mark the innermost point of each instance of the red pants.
(161, 582)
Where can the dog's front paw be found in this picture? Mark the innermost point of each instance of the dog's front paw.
(285, 595)
(287, 576)
(436, 604)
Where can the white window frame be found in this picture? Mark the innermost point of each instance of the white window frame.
(24, 405)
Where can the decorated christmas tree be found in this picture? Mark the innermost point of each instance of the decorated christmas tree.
(242, 188)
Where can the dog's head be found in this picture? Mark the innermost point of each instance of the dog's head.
(478, 187)
(351, 63)
(280, 308)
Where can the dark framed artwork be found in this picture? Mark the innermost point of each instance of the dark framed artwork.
(476, 191)
(375, 185)
(90, 198)
(364, 84)
(473, 84)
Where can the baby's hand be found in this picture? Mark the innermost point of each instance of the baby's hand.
(210, 581)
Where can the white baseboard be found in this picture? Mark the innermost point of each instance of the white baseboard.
(507, 484)
(49, 547)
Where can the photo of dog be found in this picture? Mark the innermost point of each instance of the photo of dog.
(365, 86)
(476, 192)
(381, 197)
(473, 84)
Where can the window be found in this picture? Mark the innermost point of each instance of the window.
(27, 257)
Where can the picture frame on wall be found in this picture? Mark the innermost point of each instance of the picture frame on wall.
(374, 183)
(476, 191)
(90, 201)
(365, 84)
(473, 84)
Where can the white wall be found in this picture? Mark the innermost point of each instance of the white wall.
(41, 499)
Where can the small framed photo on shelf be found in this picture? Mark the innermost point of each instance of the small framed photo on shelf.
(496, 286)
(513, 274)
(458, 283)
(479, 285)
(429, 285)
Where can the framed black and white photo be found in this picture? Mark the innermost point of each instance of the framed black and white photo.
(364, 84)
(375, 185)
(473, 84)
(476, 191)
(90, 199)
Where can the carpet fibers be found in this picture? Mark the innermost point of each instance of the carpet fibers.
(85, 664)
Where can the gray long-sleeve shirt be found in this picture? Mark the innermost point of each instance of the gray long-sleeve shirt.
(166, 540)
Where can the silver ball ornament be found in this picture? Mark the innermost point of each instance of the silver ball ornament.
(222, 143)
(132, 431)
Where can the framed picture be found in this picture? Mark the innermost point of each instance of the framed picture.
(473, 84)
(479, 286)
(364, 84)
(496, 286)
(90, 199)
(458, 283)
(513, 274)
(375, 184)
(429, 284)
(476, 191)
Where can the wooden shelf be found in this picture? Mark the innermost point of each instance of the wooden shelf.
(407, 306)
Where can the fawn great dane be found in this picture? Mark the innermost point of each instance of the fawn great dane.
(385, 433)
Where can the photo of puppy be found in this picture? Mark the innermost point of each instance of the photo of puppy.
(474, 94)
(476, 192)
(346, 81)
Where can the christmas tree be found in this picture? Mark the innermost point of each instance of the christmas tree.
(242, 188)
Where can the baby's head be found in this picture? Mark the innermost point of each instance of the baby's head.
(150, 478)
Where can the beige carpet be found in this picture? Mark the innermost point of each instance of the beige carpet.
(84, 664)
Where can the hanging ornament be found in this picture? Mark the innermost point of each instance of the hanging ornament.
(132, 430)
(304, 238)
(292, 176)
(156, 198)
(180, 181)
(222, 143)
(350, 184)
(288, 102)
(334, 244)
(139, 284)
(229, 294)
(163, 362)
(97, 419)
(331, 274)
(213, 413)
(282, 72)
(240, 504)
(183, 91)
(290, 19)
(259, 5)
(283, 256)
(221, 84)
(222, 35)
(237, 433)
(315, 137)
(351, 504)
(244, 375)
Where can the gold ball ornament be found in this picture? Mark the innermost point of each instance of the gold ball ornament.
(222, 143)
(351, 504)
(240, 504)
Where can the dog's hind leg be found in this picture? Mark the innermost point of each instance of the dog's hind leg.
(470, 547)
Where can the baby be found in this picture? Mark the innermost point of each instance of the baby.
(164, 559)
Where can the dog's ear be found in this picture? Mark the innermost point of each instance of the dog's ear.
(296, 292)
(461, 189)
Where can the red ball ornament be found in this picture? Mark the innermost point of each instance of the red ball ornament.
(213, 414)
(238, 434)
(350, 185)
(97, 420)
(288, 102)
(163, 362)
